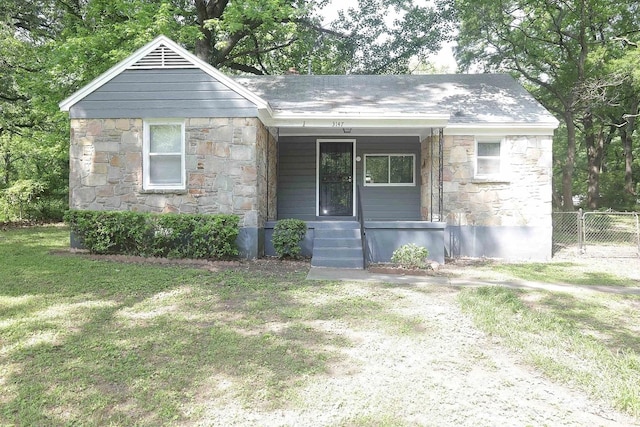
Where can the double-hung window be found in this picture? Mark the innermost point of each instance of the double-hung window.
(389, 169)
(489, 163)
(163, 148)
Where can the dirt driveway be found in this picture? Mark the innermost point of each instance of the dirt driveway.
(444, 372)
(447, 374)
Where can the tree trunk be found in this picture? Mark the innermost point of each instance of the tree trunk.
(627, 142)
(7, 167)
(569, 163)
(206, 10)
(595, 148)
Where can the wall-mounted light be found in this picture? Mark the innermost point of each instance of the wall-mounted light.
(346, 130)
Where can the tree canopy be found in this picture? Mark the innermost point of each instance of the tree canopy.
(50, 48)
(575, 56)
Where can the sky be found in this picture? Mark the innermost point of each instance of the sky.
(443, 60)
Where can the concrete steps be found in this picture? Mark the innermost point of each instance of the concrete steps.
(337, 244)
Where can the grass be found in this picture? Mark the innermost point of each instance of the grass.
(86, 342)
(588, 340)
(562, 273)
(105, 343)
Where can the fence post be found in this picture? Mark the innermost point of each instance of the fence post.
(637, 231)
(580, 218)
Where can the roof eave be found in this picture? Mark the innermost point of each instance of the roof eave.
(542, 128)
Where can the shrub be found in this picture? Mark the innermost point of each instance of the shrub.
(166, 235)
(410, 256)
(287, 235)
(18, 197)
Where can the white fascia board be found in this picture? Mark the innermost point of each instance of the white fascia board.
(502, 129)
(355, 121)
(105, 77)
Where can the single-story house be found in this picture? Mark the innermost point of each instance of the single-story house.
(458, 163)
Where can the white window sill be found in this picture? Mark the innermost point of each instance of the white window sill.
(491, 180)
(164, 191)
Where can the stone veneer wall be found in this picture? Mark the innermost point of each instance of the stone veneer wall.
(521, 197)
(429, 178)
(226, 165)
(267, 158)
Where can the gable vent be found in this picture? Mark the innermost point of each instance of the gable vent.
(163, 57)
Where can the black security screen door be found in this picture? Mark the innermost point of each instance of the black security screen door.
(336, 178)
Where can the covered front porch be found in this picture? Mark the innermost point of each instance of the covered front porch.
(363, 191)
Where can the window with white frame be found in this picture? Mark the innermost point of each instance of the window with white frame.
(389, 169)
(163, 148)
(489, 158)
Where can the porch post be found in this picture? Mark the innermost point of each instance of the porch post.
(431, 176)
(440, 172)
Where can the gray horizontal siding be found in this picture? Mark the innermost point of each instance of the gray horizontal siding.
(297, 179)
(389, 203)
(163, 93)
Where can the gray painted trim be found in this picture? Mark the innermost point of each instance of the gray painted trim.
(507, 242)
(250, 242)
(405, 225)
(383, 240)
(382, 237)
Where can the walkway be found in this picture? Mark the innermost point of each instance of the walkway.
(340, 274)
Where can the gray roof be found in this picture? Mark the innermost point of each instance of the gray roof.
(468, 98)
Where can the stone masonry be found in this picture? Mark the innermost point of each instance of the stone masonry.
(228, 169)
(520, 197)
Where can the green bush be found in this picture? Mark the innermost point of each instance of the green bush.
(410, 256)
(287, 235)
(165, 235)
(18, 197)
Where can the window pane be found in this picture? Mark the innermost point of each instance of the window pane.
(377, 169)
(401, 169)
(165, 170)
(488, 149)
(165, 138)
(488, 166)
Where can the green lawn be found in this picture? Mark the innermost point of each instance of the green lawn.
(105, 343)
(94, 342)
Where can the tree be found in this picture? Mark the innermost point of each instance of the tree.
(50, 48)
(560, 49)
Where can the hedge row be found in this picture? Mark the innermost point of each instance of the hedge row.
(160, 235)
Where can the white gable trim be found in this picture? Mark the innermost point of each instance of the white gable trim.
(149, 48)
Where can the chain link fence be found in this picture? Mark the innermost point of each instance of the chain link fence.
(596, 234)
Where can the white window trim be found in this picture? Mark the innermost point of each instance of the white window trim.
(502, 173)
(390, 184)
(146, 180)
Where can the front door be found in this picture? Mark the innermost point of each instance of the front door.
(336, 178)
